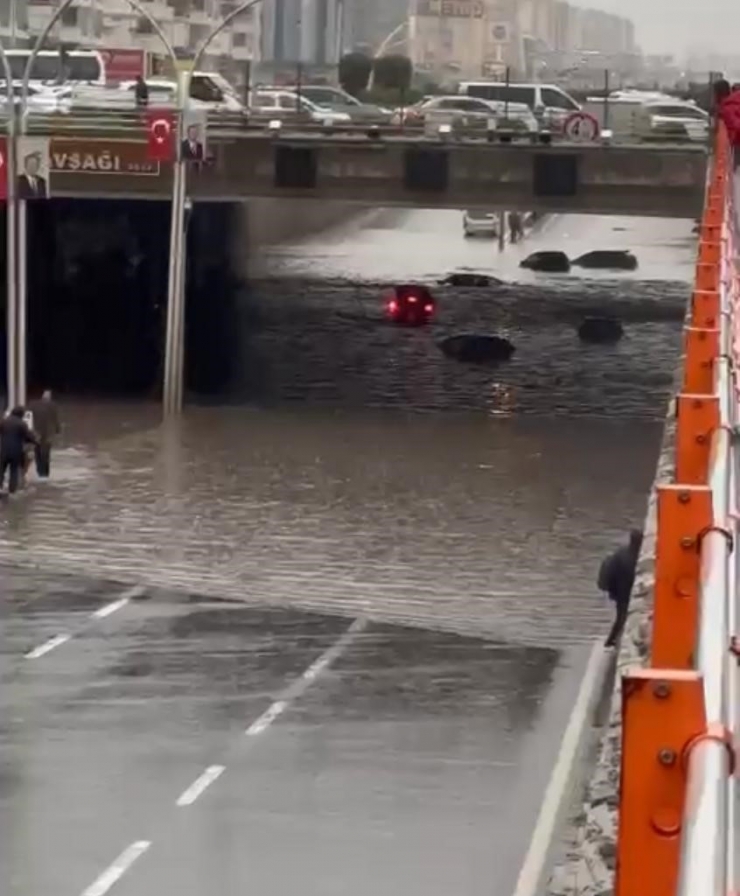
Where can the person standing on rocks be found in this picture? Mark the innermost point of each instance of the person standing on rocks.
(46, 426)
(14, 436)
(616, 578)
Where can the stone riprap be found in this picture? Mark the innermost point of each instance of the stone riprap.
(588, 853)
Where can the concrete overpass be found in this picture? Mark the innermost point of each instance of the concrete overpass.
(108, 158)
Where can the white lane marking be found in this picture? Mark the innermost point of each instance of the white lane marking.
(101, 613)
(189, 796)
(267, 718)
(114, 872)
(535, 868)
(298, 687)
(47, 646)
(110, 608)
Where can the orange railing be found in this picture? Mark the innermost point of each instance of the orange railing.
(679, 715)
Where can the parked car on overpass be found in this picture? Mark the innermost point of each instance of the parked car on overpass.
(287, 104)
(340, 101)
(465, 111)
(671, 120)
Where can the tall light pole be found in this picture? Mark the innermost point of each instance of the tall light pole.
(20, 222)
(174, 362)
(11, 300)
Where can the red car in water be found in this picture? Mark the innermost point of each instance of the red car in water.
(410, 306)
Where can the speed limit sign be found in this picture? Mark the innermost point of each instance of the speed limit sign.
(580, 127)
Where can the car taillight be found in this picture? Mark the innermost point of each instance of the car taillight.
(392, 307)
(429, 309)
(412, 300)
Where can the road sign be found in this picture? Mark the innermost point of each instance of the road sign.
(580, 127)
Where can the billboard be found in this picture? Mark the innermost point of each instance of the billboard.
(450, 9)
(123, 65)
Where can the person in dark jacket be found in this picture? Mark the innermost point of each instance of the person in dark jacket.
(141, 92)
(616, 577)
(14, 436)
(46, 426)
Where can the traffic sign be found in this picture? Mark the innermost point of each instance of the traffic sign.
(580, 127)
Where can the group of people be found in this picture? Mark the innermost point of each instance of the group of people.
(727, 109)
(26, 434)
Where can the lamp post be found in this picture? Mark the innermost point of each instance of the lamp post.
(21, 220)
(174, 362)
(11, 307)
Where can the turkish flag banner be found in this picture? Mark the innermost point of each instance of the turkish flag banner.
(3, 169)
(160, 129)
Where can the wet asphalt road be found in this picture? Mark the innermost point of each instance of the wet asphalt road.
(342, 754)
(453, 517)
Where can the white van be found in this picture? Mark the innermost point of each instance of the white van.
(49, 67)
(550, 103)
(208, 90)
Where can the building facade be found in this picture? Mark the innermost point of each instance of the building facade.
(113, 24)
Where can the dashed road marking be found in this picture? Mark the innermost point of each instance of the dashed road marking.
(211, 774)
(267, 718)
(111, 608)
(115, 871)
(299, 686)
(47, 646)
(102, 613)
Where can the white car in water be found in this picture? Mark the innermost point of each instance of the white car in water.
(477, 222)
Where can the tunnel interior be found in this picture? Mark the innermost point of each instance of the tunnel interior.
(97, 289)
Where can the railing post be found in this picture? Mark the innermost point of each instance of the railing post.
(697, 418)
(701, 348)
(705, 308)
(684, 512)
(662, 714)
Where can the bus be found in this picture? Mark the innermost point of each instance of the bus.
(55, 67)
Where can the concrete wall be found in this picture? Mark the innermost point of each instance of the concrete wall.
(270, 221)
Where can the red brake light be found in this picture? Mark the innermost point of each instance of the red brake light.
(393, 306)
(428, 309)
(413, 300)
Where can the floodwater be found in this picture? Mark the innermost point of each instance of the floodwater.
(407, 547)
(357, 469)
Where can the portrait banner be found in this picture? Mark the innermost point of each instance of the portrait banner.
(195, 134)
(32, 168)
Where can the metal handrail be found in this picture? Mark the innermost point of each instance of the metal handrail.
(706, 864)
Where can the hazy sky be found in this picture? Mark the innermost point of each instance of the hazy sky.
(672, 26)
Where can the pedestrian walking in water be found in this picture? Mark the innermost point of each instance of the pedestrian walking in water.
(14, 437)
(46, 425)
(516, 226)
(616, 578)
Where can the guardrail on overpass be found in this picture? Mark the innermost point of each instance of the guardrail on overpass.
(676, 834)
(376, 166)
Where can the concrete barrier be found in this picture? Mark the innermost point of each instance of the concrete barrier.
(585, 860)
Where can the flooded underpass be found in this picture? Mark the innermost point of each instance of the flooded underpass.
(331, 629)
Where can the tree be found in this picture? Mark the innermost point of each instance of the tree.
(354, 72)
(393, 72)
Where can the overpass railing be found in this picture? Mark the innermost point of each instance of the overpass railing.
(677, 824)
(123, 120)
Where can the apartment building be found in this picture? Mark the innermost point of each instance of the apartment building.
(185, 24)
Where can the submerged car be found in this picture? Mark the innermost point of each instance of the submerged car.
(480, 223)
(410, 305)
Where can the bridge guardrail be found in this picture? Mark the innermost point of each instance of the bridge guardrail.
(86, 121)
(680, 714)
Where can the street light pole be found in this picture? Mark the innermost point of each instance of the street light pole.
(174, 364)
(22, 224)
(11, 309)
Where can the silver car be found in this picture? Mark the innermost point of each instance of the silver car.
(288, 104)
(477, 222)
